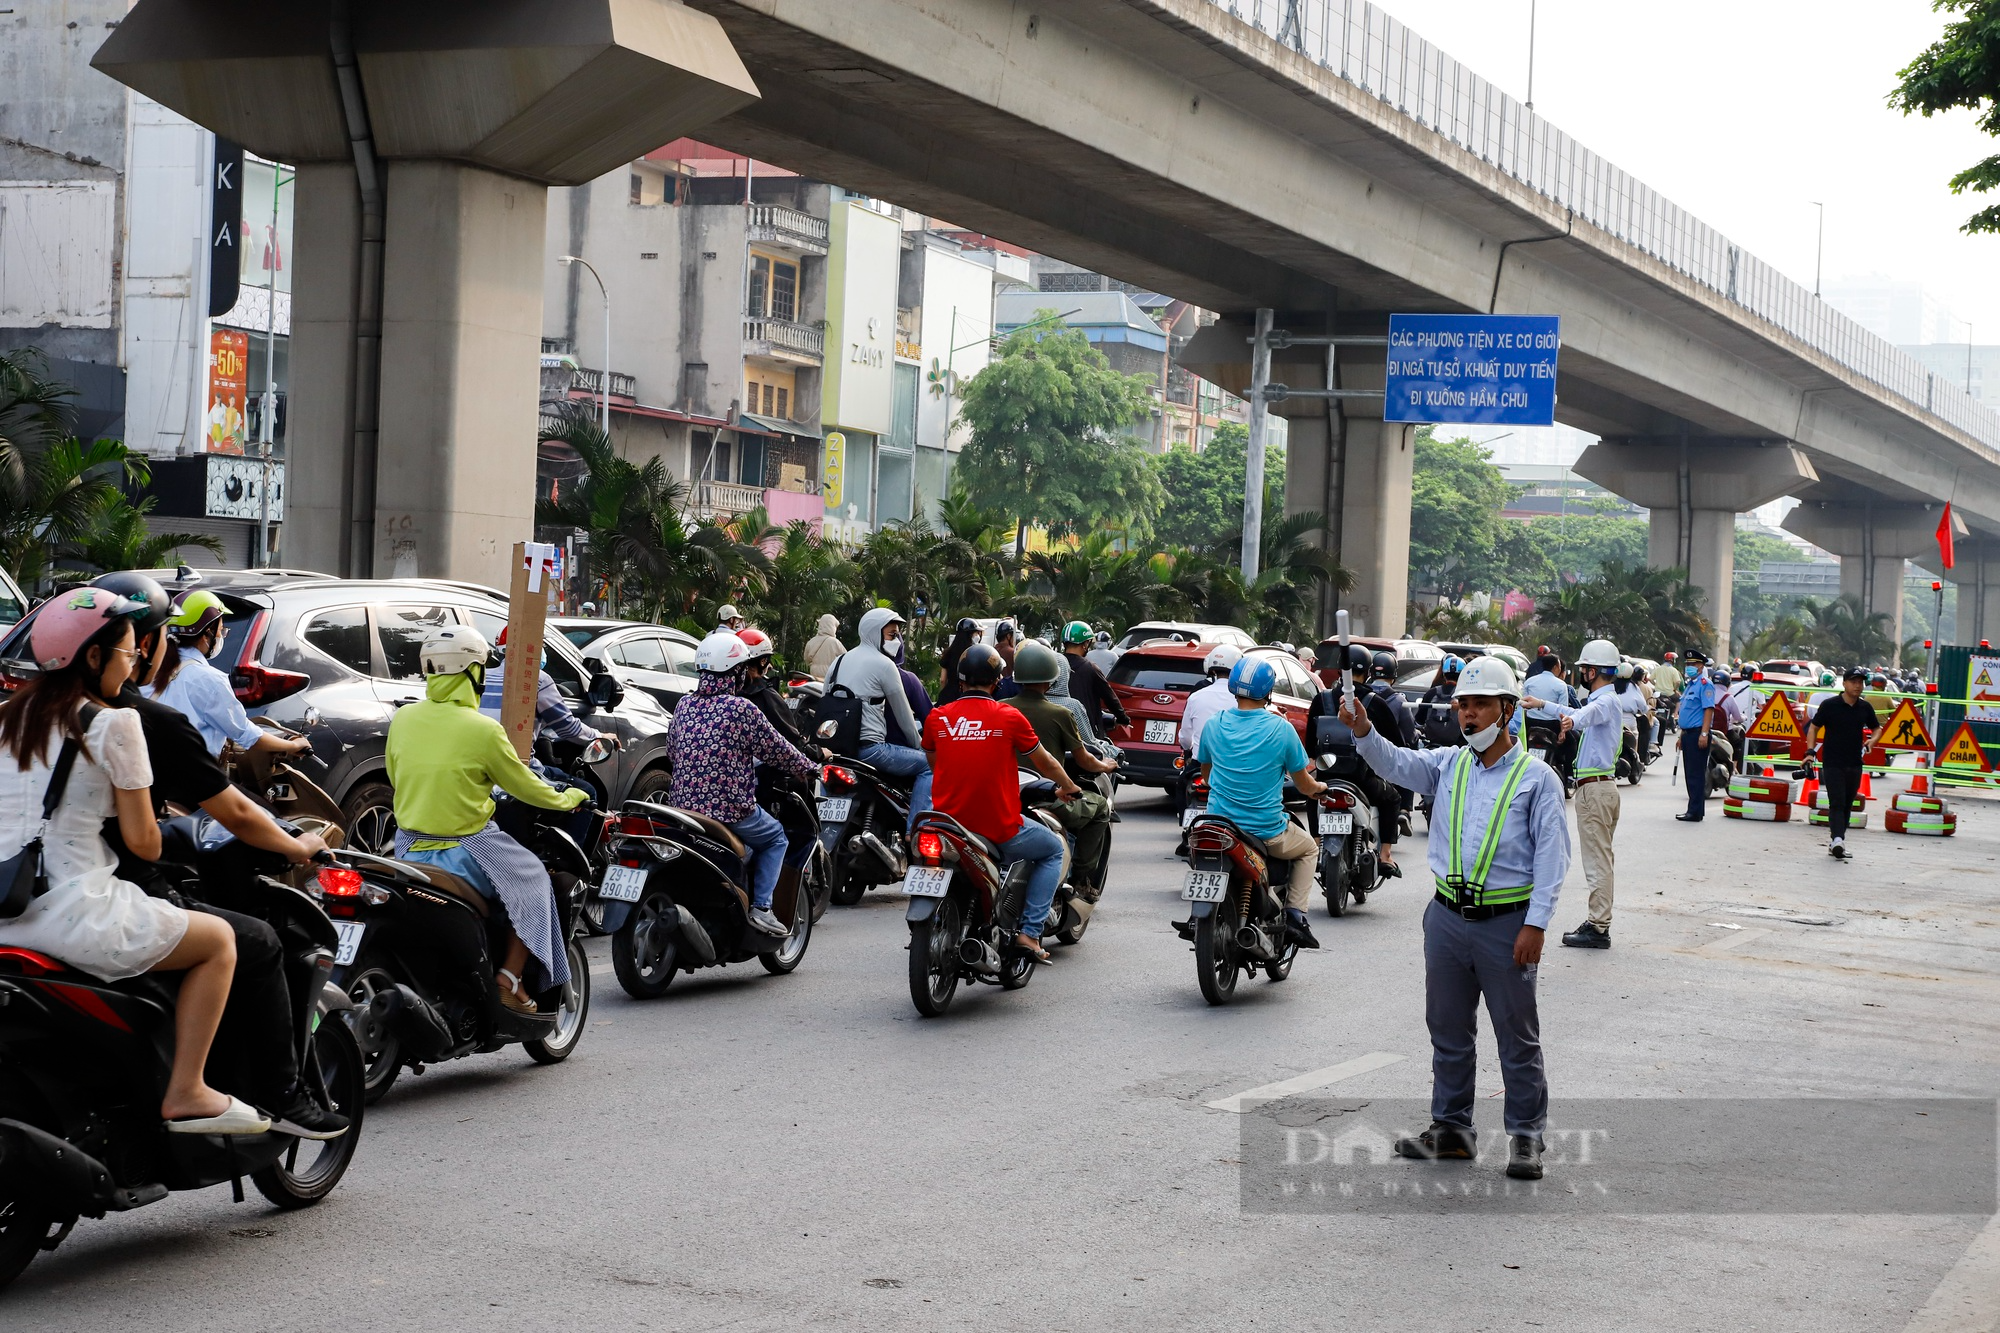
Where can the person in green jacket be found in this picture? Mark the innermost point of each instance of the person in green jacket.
(445, 757)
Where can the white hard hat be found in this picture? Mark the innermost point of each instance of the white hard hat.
(721, 652)
(1222, 657)
(1599, 653)
(1489, 676)
(450, 649)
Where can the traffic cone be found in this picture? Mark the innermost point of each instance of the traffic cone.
(1920, 783)
(1865, 793)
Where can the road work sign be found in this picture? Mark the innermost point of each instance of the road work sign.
(1905, 730)
(1472, 368)
(1964, 751)
(1779, 721)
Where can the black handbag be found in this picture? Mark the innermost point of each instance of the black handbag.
(22, 878)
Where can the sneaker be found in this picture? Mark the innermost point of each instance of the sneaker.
(304, 1118)
(761, 919)
(1295, 922)
(1439, 1142)
(1588, 936)
(1524, 1157)
(1838, 851)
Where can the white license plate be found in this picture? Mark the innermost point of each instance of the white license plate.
(1162, 733)
(927, 881)
(1335, 821)
(1192, 813)
(1205, 886)
(1540, 754)
(833, 809)
(622, 884)
(350, 933)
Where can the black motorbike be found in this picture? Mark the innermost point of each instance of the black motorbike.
(84, 1063)
(1344, 818)
(675, 891)
(419, 948)
(1237, 918)
(863, 813)
(1545, 742)
(1629, 766)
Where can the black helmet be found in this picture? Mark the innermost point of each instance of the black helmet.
(1004, 631)
(1382, 666)
(141, 587)
(968, 625)
(1357, 657)
(980, 664)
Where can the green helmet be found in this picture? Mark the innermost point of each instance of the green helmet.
(1035, 664)
(195, 612)
(1074, 632)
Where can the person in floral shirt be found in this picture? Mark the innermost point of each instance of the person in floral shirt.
(716, 742)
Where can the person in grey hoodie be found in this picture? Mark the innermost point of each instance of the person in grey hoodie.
(869, 671)
(823, 648)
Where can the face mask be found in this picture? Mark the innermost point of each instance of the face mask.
(1692, 672)
(216, 651)
(1483, 738)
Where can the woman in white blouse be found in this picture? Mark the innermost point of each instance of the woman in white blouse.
(88, 918)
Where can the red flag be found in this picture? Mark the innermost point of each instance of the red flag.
(1944, 535)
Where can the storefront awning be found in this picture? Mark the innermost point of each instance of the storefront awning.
(775, 426)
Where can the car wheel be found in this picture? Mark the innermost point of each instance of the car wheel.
(651, 785)
(371, 818)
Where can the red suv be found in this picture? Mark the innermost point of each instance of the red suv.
(1154, 683)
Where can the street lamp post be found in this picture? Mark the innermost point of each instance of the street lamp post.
(1531, 55)
(267, 417)
(604, 416)
(1819, 249)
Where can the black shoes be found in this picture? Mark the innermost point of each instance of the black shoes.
(1588, 936)
(1688, 819)
(1295, 922)
(1441, 1142)
(307, 1119)
(1524, 1157)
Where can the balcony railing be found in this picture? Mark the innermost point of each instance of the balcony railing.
(775, 224)
(592, 381)
(783, 338)
(707, 499)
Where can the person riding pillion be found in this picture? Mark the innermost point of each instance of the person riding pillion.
(1499, 850)
(1246, 754)
(186, 682)
(445, 758)
(717, 740)
(869, 671)
(1600, 727)
(1088, 817)
(1383, 795)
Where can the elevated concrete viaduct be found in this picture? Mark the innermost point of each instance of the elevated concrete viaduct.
(1168, 143)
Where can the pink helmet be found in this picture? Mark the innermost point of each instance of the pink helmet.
(68, 620)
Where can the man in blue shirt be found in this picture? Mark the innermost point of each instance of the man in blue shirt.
(1600, 727)
(1245, 754)
(1701, 700)
(1499, 850)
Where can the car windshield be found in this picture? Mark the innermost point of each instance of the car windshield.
(581, 635)
(1789, 668)
(1140, 671)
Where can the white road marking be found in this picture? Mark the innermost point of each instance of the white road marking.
(1727, 942)
(1967, 1300)
(1318, 1078)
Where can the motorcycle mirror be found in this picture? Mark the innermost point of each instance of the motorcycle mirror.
(596, 752)
(827, 729)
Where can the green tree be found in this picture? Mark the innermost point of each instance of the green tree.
(1048, 418)
(1575, 546)
(808, 577)
(1455, 526)
(1961, 71)
(1204, 491)
(118, 538)
(1840, 633)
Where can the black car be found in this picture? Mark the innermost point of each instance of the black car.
(334, 659)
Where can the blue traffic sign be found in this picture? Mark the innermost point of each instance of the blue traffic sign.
(1489, 369)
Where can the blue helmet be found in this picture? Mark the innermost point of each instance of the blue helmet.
(1253, 678)
(1453, 665)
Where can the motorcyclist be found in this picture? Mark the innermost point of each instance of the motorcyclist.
(445, 757)
(758, 686)
(554, 718)
(1384, 796)
(1246, 754)
(1435, 716)
(963, 636)
(717, 741)
(1102, 655)
(1087, 818)
(187, 683)
(1382, 684)
(975, 742)
(255, 1036)
(914, 694)
(1211, 699)
(869, 672)
(1087, 683)
(729, 618)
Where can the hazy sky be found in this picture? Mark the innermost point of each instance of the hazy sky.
(1744, 112)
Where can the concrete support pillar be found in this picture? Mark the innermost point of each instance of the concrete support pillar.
(1375, 525)
(1873, 539)
(1877, 584)
(319, 470)
(1977, 574)
(1694, 490)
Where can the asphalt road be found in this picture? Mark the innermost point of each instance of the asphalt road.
(758, 1152)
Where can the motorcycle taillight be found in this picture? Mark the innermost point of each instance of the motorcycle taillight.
(930, 847)
(838, 778)
(1339, 800)
(339, 882)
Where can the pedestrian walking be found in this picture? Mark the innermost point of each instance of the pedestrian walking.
(1841, 729)
(1699, 711)
(1599, 726)
(824, 648)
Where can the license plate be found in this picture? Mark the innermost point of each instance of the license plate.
(1162, 733)
(927, 881)
(1335, 821)
(1192, 813)
(1205, 886)
(350, 933)
(833, 809)
(1540, 754)
(622, 884)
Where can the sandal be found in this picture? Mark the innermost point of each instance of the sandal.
(240, 1119)
(1036, 952)
(512, 995)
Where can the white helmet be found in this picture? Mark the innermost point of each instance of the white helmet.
(1223, 657)
(450, 649)
(1489, 676)
(721, 653)
(727, 614)
(1599, 653)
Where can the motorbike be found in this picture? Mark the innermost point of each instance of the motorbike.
(1345, 820)
(863, 813)
(84, 1062)
(1629, 767)
(964, 911)
(419, 948)
(1723, 747)
(1237, 918)
(1545, 743)
(696, 914)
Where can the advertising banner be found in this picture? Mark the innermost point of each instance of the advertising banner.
(228, 380)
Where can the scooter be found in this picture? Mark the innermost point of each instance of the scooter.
(863, 813)
(1237, 918)
(676, 898)
(419, 948)
(1345, 820)
(84, 1062)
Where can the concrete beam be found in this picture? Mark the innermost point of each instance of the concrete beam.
(1873, 540)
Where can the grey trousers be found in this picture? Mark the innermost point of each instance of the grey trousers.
(1464, 960)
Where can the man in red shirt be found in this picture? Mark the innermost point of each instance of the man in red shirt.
(972, 742)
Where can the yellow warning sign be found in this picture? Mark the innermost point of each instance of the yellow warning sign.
(1779, 720)
(1964, 751)
(1905, 730)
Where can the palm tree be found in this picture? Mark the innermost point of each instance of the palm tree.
(1092, 581)
(119, 539)
(808, 577)
(1842, 632)
(57, 500)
